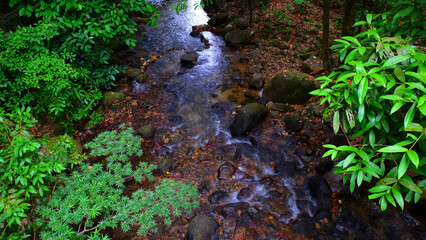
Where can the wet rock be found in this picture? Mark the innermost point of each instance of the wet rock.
(165, 165)
(255, 69)
(218, 196)
(305, 226)
(292, 88)
(282, 107)
(228, 227)
(205, 187)
(236, 38)
(319, 190)
(133, 72)
(218, 19)
(203, 228)
(195, 33)
(312, 64)
(146, 131)
(240, 23)
(226, 171)
(236, 77)
(231, 209)
(141, 78)
(324, 165)
(285, 168)
(228, 28)
(293, 123)
(189, 59)
(110, 97)
(257, 81)
(247, 118)
(244, 194)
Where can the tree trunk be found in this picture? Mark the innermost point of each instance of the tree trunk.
(348, 17)
(325, 35)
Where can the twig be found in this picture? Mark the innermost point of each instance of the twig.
(3, 232)
(346, 136)
(87, 230)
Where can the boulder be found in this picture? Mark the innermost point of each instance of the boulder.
(228, 28)
(218, 196)
(146, 131)
(319, 190)
(247, 118)
(312, 64)
(240, 23)
(110, 97)
(189, 59)
(133, 72)
(226, 171)
(236, 38)
(257, 81)
(218, 19)
(292, 88)
(255, 69)
(244, 194)
(203, 228)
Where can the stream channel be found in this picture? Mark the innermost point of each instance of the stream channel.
(261, 186)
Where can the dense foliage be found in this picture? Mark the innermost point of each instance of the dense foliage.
(378, 96)
(93, 199)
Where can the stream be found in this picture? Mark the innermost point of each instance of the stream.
(262, 186)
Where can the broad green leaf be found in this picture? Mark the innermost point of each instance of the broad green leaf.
(350, 118)
(369, 18)
(346, 148)
(414, 158)
(395, 60)
(361, 112)
(351, 56)
(362, 50)
(410, 115)
(359, 178)
(329, 146)
(398, 197)
(362, 90)
(380, 188)
(392, 97)
(357, 78)
(364, 156)
(422, 109)
(416, 75)
(383, 203)
(379, 78)
(390, 199)
(352, 182)
(410, 185)
(393, 149)
(397, 106)
(399, 74)
(372, 139)
(403, 166)
(376, 195)
(404, 12)
(348, 160)
(336, 122)
(386, 181)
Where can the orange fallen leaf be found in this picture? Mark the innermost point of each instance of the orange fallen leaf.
(89, 167)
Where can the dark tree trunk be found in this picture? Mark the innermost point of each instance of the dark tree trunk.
(348, 17)
(325, 35)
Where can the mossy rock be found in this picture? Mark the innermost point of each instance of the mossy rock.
(291, 88)
(110, 97)
(146, 131)
(247, 118)
(78, 148)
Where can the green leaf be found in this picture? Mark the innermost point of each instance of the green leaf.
(362, 50)
(352, 39)
(376, 195)
(412, 155)
(393, 149)
(392, 97)
(348, 160)
(410, 115)
(395, 60)
(372, 138)
(360, 177)
(386, 181)
(410, 185)
(399, 74)
(362, 91)
(398, 197)
(350, 118)
(351, 56)
(414, 127)
(383, 203)
(380, 188)
(369, 18)
(390, 199)
(416, 75)
(397, 106)
(403, 166)
(336, 122)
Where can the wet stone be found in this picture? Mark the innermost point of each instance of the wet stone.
(244, 194)
(305, 226)
(110, 97)
(189, 59)
(203, 228)
(324, 165)
(257, 81)
(218, 196)
(228, 227)
(195, 34)
(312, 64)
(293, 123)
(255, 69)
(231, 209)
(319, 190)
(146, 131)
(285, 168)
(226, 171)
(205, 187)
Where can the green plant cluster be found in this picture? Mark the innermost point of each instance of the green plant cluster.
(92, 199)
(59, 65)
(378, 97)
(26, 170)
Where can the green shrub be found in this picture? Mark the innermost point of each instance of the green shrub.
(92, 199)
(25, 168)
(379, 97)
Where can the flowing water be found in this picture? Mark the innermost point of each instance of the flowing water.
(283, 198)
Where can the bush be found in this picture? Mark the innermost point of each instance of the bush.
(92, 198)
(378, 96)
(26, 169)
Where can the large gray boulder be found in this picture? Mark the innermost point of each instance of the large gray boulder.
(236, 38)
(291, 88)
(247, 118)
(189, 59)
(203, 228)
